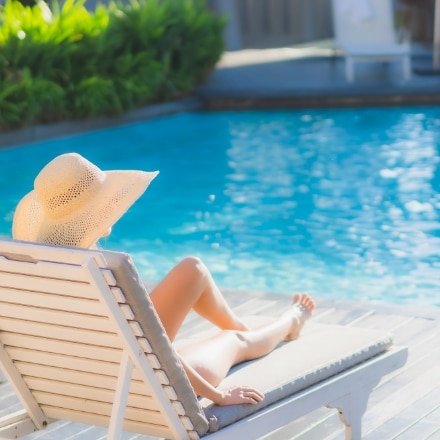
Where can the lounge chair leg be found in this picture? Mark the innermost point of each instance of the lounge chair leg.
(353, 428)
(406, 68)
(120, 400)
(351, 408)
(349, 69)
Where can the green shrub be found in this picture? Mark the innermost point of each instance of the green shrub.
(67, 62)
(25, 100)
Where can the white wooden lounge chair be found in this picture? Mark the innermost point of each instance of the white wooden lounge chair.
(364, 30)
(80, 341)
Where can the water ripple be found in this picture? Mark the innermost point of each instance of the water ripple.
(341, 203)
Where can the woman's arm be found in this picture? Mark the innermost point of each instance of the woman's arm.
(230, 396)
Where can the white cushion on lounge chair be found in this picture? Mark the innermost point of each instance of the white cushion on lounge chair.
(321, 352)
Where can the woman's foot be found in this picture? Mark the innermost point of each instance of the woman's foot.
(300, 311)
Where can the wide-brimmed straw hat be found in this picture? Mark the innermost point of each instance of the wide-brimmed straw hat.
(74, 203)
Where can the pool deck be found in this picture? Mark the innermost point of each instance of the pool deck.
(405, 404)
(314, 75)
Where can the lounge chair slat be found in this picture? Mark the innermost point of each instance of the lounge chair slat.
(53, 317)
(14, 283)
(43, 345)
(63, 291)
(102, 408)
(48, 300)
(90, 392)
(86, 378)
(103, 379)
(100, 420)
(66, 334)
(61, 333)
(127, 312)
(58, 254)
(50, 270)
(63, 361)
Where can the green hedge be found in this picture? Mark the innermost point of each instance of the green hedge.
(66, 62)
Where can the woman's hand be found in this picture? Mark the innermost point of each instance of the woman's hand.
(239, 394)
(222, 397)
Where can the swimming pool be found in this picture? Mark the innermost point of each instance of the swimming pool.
(340, 203)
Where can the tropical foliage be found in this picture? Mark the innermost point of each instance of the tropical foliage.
(65, 62)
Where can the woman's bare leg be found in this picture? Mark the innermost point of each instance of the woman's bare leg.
(212, 358)
(189, 285)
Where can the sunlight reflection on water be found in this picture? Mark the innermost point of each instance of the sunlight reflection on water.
(340, 203)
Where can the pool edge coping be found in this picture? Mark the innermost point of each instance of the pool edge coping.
(205, 102)
(43, 132)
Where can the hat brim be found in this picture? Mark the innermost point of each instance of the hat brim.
(81, 229)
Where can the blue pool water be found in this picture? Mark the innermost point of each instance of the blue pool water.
(339, 203)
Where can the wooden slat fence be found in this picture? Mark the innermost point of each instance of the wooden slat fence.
(274, 23)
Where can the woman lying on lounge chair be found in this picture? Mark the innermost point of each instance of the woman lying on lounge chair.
(74, 203)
